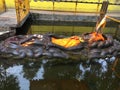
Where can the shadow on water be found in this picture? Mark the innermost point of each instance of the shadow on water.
(54, 73)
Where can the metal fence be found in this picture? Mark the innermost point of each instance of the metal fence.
(2, 6)
(85, 6)
(74, 5)
(69, 5)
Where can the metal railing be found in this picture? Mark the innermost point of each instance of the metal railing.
(92, 6)
(86, 6)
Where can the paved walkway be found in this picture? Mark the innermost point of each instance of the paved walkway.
(8, 18)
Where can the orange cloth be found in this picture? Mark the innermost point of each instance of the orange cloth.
(96, 37)
(67, 42)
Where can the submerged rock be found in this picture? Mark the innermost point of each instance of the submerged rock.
(13, 46)
(93, 45)
(57, 53)
(104, 53)
(94, 56)
(47, 54)
(115, 53)
(38, 52)
(95, 51)
(107, 44)
(111, 50)
(101, 44)
(15, 52)
(36, 46)
(29, 52)
(22, 53)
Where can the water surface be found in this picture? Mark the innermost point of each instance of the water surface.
(60, 74)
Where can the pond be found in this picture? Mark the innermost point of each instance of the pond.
(56, 73)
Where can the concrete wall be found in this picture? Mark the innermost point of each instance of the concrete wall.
(86, 19)
(63, 17)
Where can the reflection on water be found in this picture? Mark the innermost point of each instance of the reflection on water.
(67, 28)
(17, 71)
(96, 75)
(55, 74)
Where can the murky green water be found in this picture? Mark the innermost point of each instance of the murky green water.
(59, 74)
